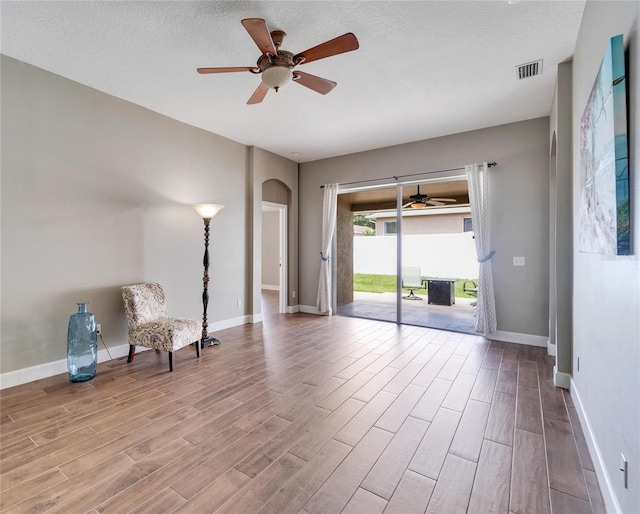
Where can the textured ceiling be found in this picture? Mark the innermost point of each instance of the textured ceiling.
(424, 69)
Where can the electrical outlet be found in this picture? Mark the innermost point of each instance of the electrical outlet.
(238, 302)
(623, 470)
(98, 328)
(578, 363)
(294, 294)
(518, 261)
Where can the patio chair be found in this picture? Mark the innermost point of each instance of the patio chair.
(150, 326)
(469, 286)
(412, 280)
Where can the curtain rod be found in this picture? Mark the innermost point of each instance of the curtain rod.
(396, 177)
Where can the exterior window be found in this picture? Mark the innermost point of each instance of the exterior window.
(467, 225)
(390, 228)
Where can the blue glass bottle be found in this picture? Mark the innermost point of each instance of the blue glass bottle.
(82, 345)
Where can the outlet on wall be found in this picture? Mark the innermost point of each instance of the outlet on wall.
(99, 328)
(294, 294)
(518, 261)
(238, 302)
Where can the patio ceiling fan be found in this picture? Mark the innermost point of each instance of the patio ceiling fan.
(420, 201)
(276, 66)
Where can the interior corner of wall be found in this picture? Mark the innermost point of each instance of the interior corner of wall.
(561, 379)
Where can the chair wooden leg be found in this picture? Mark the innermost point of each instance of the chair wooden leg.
(132, 353)
(170, 361)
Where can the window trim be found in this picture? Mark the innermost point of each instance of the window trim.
(386, 232)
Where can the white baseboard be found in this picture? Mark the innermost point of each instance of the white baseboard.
(122, 350)
(606, 487)
(293, 309)
(312, 309)
(516, 337)
(561, 379)
(551, 349)
(229, 323)
(50, 369)
(270, 288)
(255, 318)
(22, 376)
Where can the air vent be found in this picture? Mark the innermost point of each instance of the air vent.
(529, 69)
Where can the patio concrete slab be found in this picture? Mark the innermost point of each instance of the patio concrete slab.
(459, 317)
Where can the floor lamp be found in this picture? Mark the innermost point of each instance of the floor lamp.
(206, 211)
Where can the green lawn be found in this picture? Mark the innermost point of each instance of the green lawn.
(387, 284)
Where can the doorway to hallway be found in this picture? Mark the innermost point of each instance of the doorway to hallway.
(274, 251)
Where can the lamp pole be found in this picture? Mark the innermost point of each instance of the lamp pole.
(207, 211)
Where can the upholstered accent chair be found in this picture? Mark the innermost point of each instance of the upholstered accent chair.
(150, 326)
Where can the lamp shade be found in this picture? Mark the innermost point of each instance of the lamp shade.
(276, 77)
(208, 210)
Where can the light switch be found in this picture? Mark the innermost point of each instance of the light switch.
(518, 261)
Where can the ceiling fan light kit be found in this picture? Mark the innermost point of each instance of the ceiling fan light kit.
(276, 77)
(276, 66)
(420, 201)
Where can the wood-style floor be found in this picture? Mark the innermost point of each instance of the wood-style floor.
(303, 414)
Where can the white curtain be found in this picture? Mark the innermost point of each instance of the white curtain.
(477, 176)
(329, 215)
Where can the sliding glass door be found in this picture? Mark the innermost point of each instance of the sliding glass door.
(367, 242)
(406, 254)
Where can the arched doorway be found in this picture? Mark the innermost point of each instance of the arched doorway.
(274, 248)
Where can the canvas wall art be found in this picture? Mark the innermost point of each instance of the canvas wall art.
(605, 223)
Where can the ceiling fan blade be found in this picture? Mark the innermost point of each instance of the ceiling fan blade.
(406, 205)
(444, 199)
(225, 70)
(257, 29)
(434, 202)
(259, 94)
(345, 43)
(318, 84)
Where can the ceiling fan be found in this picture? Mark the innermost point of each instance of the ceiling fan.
(420, 201)
(276, 66)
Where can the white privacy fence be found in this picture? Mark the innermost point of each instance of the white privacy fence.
(438, 255)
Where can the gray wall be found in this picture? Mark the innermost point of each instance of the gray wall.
(97, 193)
(265, 166)
(606, 289)
(519, 208)
(270, 248)
(560, 223)
(275, 191)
